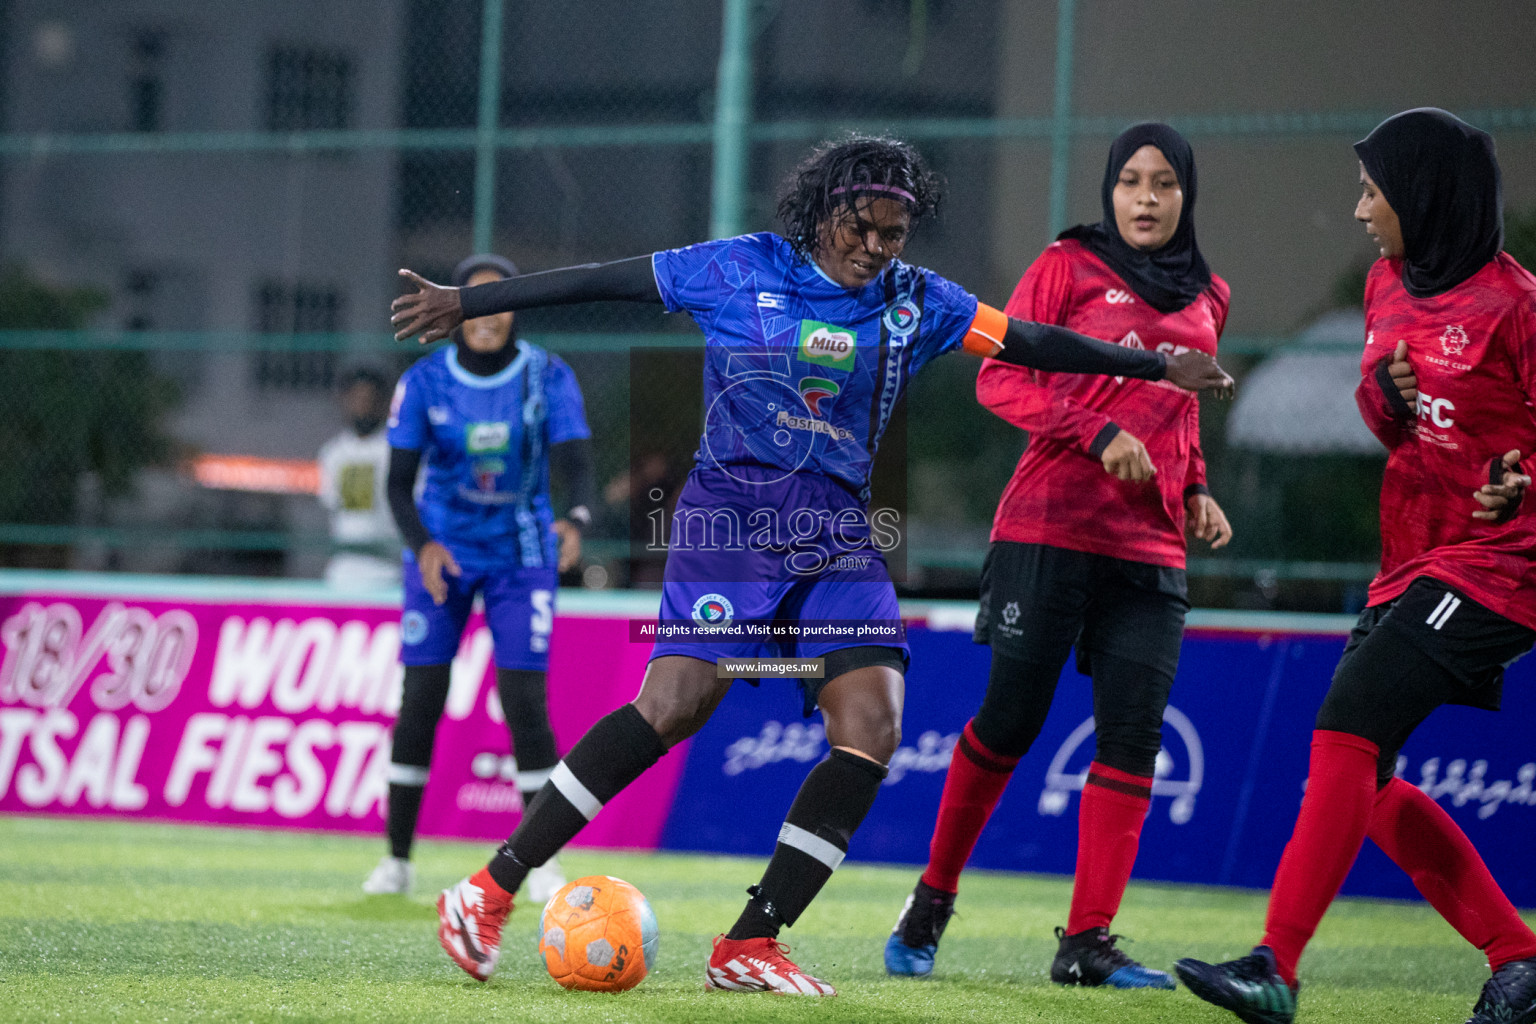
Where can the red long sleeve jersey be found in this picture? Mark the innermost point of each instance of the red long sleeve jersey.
(1473, 350)
(1060, 494)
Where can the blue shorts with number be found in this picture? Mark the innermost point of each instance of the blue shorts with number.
(519, 608)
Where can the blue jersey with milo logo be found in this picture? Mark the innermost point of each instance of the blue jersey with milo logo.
(485, 442)
(800, 373)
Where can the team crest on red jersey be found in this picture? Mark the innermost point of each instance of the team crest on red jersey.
(1454, 340)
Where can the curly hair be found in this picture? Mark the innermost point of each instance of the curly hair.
(827, 179)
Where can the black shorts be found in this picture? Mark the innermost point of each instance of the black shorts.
(1472, 644)
(1431, 645)
(1038, 600)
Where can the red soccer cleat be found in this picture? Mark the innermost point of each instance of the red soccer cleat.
(471, 922)
(760, 965)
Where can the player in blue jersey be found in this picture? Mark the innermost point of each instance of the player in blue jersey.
(810, 338)
(489, 415)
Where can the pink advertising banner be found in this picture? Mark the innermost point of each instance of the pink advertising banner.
(278, 715)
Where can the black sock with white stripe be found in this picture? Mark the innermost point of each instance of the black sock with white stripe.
(831, 804)
(614, 752)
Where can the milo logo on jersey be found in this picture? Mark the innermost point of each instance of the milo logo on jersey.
(487, 438)
(827, 345)
(483, 442)
(815, 390)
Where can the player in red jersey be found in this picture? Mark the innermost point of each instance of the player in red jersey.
(1447, 380)
(1088, 545)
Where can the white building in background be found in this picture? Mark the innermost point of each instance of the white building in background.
(219, 241)
(1301, 400)
(241, 241)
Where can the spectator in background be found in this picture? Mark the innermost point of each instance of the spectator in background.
(353, 467)
(638, 503)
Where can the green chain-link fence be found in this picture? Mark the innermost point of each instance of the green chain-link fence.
(202, 209)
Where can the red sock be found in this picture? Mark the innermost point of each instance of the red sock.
(1423, 840)
(488, 885)
(972, 787)
(1108, 831)
(1341, 786)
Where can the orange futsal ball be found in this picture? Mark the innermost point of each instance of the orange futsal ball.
(598, 934)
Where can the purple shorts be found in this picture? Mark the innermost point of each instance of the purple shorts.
(519, 608)
(817, 566)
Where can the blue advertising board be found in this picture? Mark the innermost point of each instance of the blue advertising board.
(1229, 779)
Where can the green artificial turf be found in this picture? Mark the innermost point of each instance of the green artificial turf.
(117, 921)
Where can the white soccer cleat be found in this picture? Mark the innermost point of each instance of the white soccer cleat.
(392, 877)
(760, 965)
(470, 920)
(544, 881)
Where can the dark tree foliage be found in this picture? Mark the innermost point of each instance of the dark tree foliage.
(1520, 237)
(64, 413)
(1348, 290)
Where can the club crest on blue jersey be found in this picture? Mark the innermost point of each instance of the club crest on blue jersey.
(901, 317)
(713, 611)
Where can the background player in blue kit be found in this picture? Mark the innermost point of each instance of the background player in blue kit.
(810, 339)
(489, 415)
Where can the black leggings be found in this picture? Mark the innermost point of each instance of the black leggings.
(1401, 664)
(1381, 691)
(1128, 703)
(522, 702)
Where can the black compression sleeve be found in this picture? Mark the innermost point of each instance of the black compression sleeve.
(1388, 385)
(631, 280)
(1058, 350)
(572, 463)
(403, 463)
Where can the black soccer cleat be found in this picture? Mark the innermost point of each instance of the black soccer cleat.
(1091, 958)
(1249, 986)
(1509, 997)
(914, 942)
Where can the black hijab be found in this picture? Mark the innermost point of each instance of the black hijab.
(483, 364)
(1169, 278)
(1440, 175)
